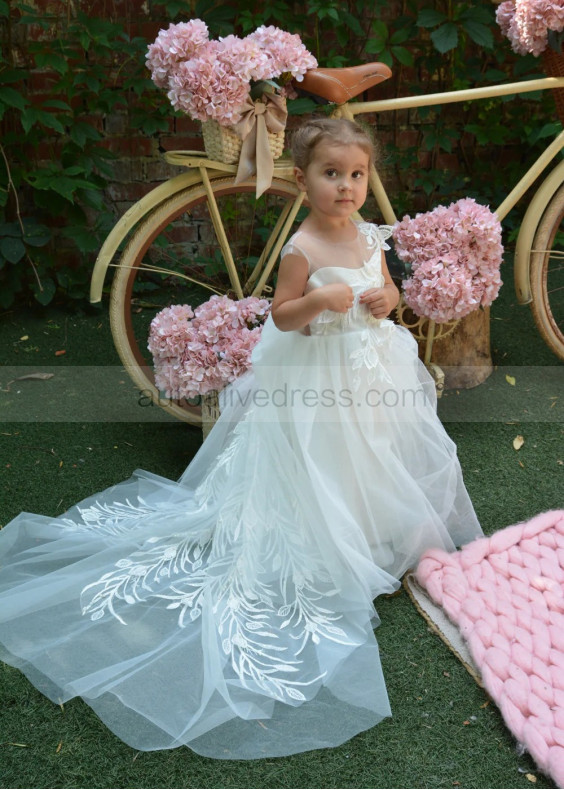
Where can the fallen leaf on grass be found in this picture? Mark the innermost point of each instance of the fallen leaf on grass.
(518, 442)
(24, 337)
(35, 377)
(510, 380)
(531, 777)
(60, 353)
(58, 749)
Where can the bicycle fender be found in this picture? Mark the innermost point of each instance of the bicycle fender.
(531, 220)
(129, 220)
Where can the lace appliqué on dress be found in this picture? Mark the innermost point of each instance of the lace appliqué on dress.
(263, 580)
(376, 235)
(372, 345)
(368, 357)
(115, 519)
(219, 473)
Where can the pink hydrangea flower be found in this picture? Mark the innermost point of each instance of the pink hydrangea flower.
(211, 80)
(245, 56)
(504, 15)
(197, 351)
(208, 87)
(526, 23)
(174, 45)
(285, 52)
(455, 253)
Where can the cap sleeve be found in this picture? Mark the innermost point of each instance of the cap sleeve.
(291, 248)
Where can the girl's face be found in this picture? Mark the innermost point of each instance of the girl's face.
(336, 180)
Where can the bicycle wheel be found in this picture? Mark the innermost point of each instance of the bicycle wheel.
(182, 254)
(547, 274)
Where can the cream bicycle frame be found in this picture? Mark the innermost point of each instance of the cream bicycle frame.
(542, 196)
(201, 168)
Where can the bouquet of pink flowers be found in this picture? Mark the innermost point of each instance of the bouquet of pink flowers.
(196, 351)
(455, 253)
(211, 80)
(528, 24)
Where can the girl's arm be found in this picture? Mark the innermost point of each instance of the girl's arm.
(381, 301)
(291, 308)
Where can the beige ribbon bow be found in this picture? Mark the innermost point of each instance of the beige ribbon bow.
(259, 118)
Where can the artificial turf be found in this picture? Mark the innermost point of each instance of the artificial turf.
(444, 731)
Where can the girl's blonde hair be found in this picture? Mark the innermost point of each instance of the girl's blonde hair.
(337, 131)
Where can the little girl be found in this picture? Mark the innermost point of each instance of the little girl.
(231, 611)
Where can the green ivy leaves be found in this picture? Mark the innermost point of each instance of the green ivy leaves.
(72, 73)
(19, 241)
(473, 21)
(64, 181)
(388, 45)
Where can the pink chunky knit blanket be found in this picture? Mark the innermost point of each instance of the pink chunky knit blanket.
(506, 595)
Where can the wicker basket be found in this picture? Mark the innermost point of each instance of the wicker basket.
(554, 66)
(221, 142)
(224, 145)
(210, 411)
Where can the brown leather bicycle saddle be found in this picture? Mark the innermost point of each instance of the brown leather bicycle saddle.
(341, 85)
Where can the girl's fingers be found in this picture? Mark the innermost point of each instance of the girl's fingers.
(368, 296)
(375, 301)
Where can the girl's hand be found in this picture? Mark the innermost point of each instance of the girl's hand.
(337, 297)
(380, 301)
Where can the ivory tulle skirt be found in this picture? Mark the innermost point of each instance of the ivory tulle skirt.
(232, 611)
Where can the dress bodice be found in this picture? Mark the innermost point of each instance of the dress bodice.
(363, 257)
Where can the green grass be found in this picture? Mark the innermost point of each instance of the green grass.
(444, 731)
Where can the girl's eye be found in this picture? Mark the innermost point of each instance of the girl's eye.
(331, 172)
(358, 174)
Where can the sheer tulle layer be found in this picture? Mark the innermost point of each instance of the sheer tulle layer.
(238, 645)
(231, 611)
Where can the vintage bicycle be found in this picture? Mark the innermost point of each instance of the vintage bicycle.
(205, 231)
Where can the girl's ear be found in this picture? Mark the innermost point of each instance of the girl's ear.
(299, 175)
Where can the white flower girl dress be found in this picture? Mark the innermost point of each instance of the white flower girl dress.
(232, 611)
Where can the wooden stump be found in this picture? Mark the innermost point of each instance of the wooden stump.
(210, 411)
(465, 354)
